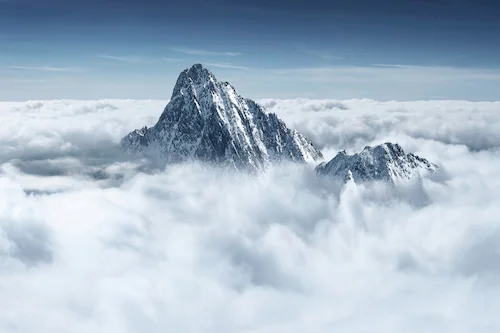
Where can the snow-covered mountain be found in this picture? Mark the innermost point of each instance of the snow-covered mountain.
(386, 162)
(208, 120)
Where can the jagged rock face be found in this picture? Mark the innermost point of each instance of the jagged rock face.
(386, 162)
(209, 121)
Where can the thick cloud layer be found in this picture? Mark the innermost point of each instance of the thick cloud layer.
(94, 241)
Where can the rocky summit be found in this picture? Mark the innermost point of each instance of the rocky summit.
(385, 162)
(208, 121)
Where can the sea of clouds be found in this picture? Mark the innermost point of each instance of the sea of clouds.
(95, 241)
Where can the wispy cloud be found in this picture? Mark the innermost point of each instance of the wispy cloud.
(402, 66)
(46, 68)
(122, 58)
(171, 59)
(325, 55)
(203, 52)
(392, 72)
(322, 55)
(230, 66)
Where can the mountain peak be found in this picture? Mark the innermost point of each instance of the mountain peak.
(208, 120)
(196, 75)
(385, 148)
(199, 73)
(387, 162)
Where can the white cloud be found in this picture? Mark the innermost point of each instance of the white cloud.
(45, 68)
(91, 240)
(401, 66)
(350, 124)
(388, 82)
(387, 72)
(224, 65)
(171, 59)
(130, 59)
(190, 51)
(322, 54)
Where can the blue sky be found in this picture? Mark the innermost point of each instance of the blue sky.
(385, 50)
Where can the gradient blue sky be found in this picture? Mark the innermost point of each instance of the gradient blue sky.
(384, 50)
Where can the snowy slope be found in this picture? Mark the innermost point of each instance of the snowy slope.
(208, 120)
(386, 162)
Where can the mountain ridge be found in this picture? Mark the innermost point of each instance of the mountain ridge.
(386, 162)
(208, 120)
